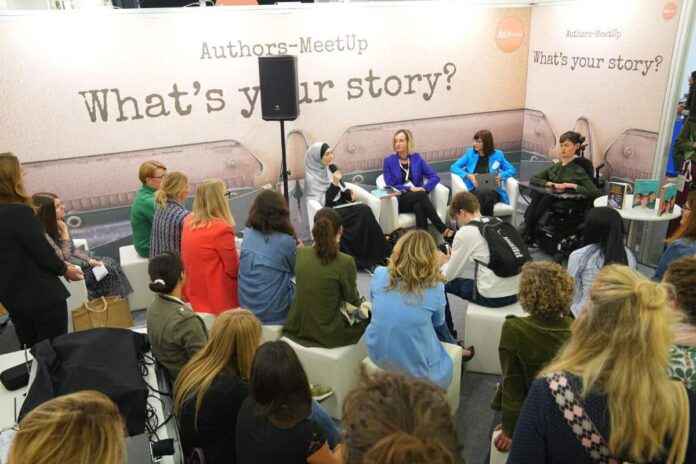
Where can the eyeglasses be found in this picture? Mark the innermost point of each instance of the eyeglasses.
(478, 142)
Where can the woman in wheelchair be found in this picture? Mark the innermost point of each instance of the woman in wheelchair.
(565, 175)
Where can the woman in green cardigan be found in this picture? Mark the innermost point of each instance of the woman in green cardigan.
(326, 278)
(528, 343)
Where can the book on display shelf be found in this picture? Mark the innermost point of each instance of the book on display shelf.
(645, 193)
(617, 195)
(668, 197)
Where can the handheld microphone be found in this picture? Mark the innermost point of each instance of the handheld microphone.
(333, 168)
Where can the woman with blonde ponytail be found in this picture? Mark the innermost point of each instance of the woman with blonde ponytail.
(607, 394)
(170, 212)
(389, 419)
(326, 279)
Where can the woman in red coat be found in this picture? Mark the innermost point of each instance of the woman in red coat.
(209, 252)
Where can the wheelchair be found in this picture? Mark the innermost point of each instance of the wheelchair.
(559, 230)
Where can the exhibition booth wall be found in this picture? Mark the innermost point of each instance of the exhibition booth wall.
(86, 96)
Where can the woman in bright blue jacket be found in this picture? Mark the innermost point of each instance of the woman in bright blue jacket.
(483, 158)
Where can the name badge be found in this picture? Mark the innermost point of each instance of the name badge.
(495, 165)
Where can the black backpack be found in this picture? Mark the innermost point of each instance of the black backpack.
(508, 250)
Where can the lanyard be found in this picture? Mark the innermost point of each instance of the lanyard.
(407, 170)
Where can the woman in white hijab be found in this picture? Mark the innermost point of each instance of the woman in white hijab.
(362, 236)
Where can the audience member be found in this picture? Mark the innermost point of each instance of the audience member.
(603, 242)
(685, 144)
(362, 236)
(408, 311)
(209, 251)
(683, 241)
(211, 387)
(483, 158)
(607, 395)
(170, 212)
(267, 259)
(562, 176)
(326, 280)
(390, 419)
(50, 211)
(273, 423)
(29, 286)
(143, 208)
(470, 251)
(528, 343)
(681, 274)
(80, 428)
(176, 333)
(404, 171)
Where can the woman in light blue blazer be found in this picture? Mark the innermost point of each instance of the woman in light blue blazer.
(408, 313)
(483, 158)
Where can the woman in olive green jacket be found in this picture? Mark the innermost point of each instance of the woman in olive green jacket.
(528, 343)
(326, 278)
(176, 333)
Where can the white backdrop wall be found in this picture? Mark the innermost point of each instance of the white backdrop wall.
(71, 81)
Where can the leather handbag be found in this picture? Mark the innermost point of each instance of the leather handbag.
(106, 311)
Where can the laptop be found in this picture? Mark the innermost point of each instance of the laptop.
(486, 182)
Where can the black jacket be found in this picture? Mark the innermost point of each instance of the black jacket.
(29, 266)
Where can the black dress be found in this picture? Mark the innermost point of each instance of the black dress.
(259, 441)
(217, 420)
(362, 238)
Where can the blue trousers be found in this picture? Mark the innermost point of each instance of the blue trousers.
(325, 424)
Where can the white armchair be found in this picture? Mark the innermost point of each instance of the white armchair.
(511, 187)
(390, 219)
(361, 196)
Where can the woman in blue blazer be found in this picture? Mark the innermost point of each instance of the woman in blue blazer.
(483, 158)
(404, 171)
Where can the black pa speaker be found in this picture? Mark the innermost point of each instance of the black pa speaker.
(278, 80)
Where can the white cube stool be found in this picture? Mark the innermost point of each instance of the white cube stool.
(208, 319)
(135, 268)
(337, 368)
(496, 456)
(271, 333)
(78, 295)
(453, 389)
(482, 329)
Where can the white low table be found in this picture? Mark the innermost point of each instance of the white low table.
(633, 215)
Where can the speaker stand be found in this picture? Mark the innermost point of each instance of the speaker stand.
(284, 161)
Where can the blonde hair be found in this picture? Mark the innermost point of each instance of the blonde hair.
(414, 264)
(11, 183)
(391, 419)
(173, 183)
(620, 346)
(234, 338)
(546, 290)
(79, 428)
(410, 143)
(210, 203)
(148, 169)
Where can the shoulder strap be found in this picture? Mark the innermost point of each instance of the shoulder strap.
(577, 419)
